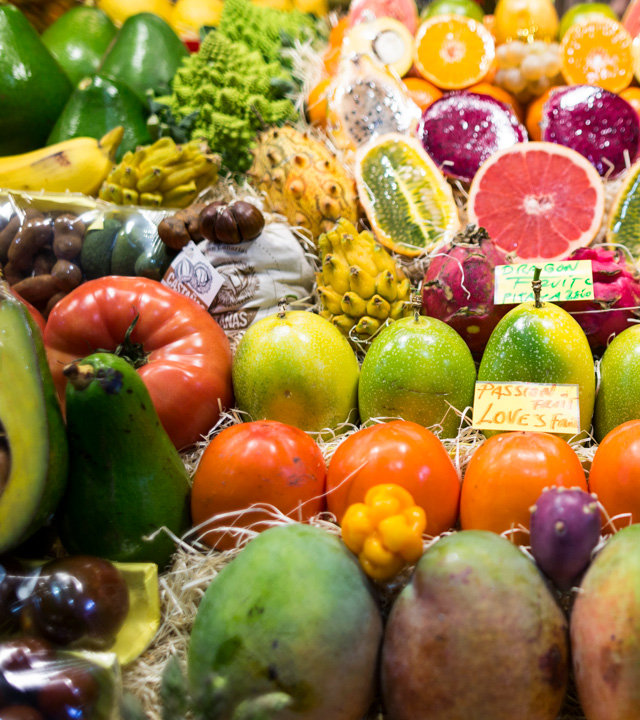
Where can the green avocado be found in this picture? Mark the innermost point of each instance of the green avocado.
(126, 479)
(33, 87)
(95, 258)
(98, 105)
(145, 55)
(79, 39)
(33, 444)
(541, 345)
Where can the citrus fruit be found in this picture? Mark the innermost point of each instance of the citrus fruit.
(506, 476)
(402, 453)
(632, 96)
(539, 201)
(453, 51)
(338, 31)
(317, 103)
(524, 19)
(631, 18)
(615, 473)
(331, 60)
(407, 200)
(534, 115)
(468, 8)
(485, 88)
(422, 92)
(263, 462)
(623, 225)
(597, 53)
(583, 13)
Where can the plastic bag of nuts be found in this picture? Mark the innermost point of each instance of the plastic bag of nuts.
(50, 243)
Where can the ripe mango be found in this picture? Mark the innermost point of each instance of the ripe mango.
(475, 634)
(292, 625)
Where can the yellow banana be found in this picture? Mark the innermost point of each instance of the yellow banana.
(382, 259)
(181, 196)
(400, 308)
(386, 286)
(150, 199)
(367, 326)
(358, 253)
(353, 304)
(361, 282)
(78, 165)
(335, 272)
(378, 308)
(404, 289)
(150, 181)
(344, 323)
(111, 193)
(130, 196)
(330, 300)
(183, 175)
(129, 177)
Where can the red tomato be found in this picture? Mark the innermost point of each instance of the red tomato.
(34, 312)
(257, 462)
(615, 473)
(402, 453)
(508, 473)
(187, 369)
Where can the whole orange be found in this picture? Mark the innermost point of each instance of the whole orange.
(534, 114)
(506, 476)
(632, 96)
(486, 88)
(256, 462)
(615, 473)
(317, 103)
(402, 453)
(422, 92)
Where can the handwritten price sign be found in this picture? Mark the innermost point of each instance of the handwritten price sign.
(561, 282)
(526, 406)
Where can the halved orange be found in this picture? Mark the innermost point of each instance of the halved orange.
(317, 103)
(598, 53)
(453, 51)
(632, 96)
(485, 88)
(422, 92)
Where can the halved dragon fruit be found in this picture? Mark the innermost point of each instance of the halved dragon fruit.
(600, 125)
(463, 129)
(616, 292)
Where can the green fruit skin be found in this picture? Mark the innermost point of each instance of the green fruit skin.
(541, 345)
(126, 479)
(584, 13)
(33, 88)
(145, 55)
(605, 630)
(416, 370)
(29, 409)
(467, 8)
(78, 40)
(618, 399)
(136, 237)
(97, 106)
(97, 247)
(292, 613)
(475, 634)
(297, 369)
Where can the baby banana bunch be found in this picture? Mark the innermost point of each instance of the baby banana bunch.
(162, 175)
(360, 285)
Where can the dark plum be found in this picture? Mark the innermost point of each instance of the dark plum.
(565, 528)
(78, 600)
(70, 694)
(600, 125)
(12, 573)
(20, 712)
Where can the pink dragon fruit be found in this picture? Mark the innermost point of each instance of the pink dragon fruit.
(615, 285)
(459, 285)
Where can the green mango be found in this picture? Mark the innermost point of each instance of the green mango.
(126, 479)
(417, 369)
(541, 345)
(145, 55)
(275, 627)
(33, 444)
(33, 87)
(98, 105)
(618, 399)
(78, 40)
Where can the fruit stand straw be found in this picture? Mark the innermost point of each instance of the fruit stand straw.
(537, 286)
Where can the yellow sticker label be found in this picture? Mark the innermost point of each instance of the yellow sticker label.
(561, 282)
(527, 406)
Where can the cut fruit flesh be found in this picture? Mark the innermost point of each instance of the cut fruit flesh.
(538, 201)
(623, 226)
(386, 40)
(408, 202)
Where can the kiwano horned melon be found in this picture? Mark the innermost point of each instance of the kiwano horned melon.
(475, 634)
(290, 624)
(303, 180)
(360, 284)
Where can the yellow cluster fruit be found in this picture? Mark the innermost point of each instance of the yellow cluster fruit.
(162, 175)
(360, 285)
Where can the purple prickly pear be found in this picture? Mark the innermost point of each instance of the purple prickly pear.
(459, 285)
(565, 528)
(615, 285)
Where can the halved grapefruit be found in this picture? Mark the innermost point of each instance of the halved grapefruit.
(539, 201)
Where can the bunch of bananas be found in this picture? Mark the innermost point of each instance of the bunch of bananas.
(162, 175)
(360, 285)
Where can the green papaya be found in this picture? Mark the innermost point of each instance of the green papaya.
(33, 87)
(145, 55)
(126, 479)
(289, 629)
(79, 39)
(98, 105)
(33, 443)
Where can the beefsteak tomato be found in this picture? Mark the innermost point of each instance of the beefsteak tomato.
(179, 350)
(263, 462)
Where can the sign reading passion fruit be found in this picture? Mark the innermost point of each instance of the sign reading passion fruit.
(561, 282)
(526, 406)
